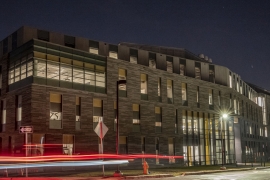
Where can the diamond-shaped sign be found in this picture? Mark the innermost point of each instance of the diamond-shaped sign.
(101, 129)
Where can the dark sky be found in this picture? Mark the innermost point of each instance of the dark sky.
(234, 33)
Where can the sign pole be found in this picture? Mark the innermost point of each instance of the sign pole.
(101, 129)
(101, 143)
(26, 153)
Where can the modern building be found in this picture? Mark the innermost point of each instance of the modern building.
(173, 102)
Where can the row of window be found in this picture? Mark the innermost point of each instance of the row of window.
(65, 70)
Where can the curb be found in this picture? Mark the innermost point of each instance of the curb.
(217, 171)
(149, 176)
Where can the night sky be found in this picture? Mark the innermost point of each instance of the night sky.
(235, 33)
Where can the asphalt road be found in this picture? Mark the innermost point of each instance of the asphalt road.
(263, 174)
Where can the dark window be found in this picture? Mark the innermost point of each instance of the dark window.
(212, 73)
(43, 35)
(70, 41)
(152, 56)
(134, 52)
(113, 48)
(94, 44)
(14, 40)
(183, 67)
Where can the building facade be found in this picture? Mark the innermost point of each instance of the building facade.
(173, 101)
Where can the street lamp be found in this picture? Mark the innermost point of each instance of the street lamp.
(118, 172)
(224, 116)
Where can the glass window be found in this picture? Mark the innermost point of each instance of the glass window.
(133, 59)
(113, 51)
(122, 75)
(182, 67)
(30, 68)
(133, 56)
(100, 76)
(78, 75)
(78, 109)
(197, 70)
(52, 70)
(17, 70)
(169, 66)
(212, 73)
(136, 114)
(97, 112)
(170, 90)
(55, 111)
(11, 74)
(158, 122)
(184, 91)
(113, 54)
(93, 50)
(184, 122)
(210, 96)
(143, 83)
(89, 77)
(23, 68)
(66, 73)
(152, 63)
(40, 66)
(159, 87)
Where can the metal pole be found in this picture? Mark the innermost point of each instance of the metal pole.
(26, 153)
(101, 143)
(221, 127)
(117, 122)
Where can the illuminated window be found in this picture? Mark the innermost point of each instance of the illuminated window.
(158, 123)
(97, 112)
(210, 96)
(197, 70)
(122, 75)
(184, 91)
(184, 126)
(169, 64)
(55, 111)
(66, 70)
(78, 73)
(170, 91)
(18, 111)
(136, 118)
(78, 113)
(159, 86)
(143, 83)
(4, 114)
(100, 76)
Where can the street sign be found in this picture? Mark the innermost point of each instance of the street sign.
(101, 129)
(26, 129)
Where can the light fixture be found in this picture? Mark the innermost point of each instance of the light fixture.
(224, 115)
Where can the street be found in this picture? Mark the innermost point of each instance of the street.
(246, 175)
